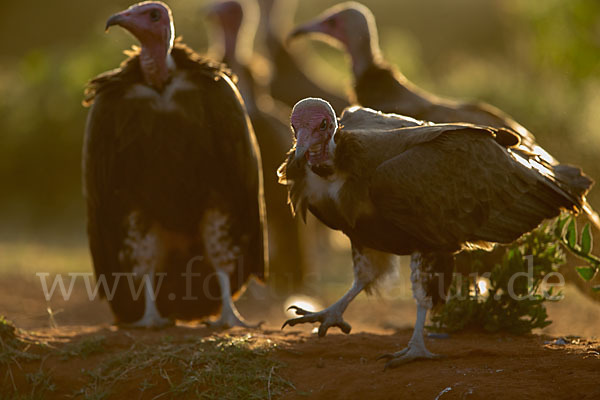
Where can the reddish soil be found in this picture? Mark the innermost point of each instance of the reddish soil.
(476, 366)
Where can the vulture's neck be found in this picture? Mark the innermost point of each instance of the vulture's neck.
(230, 50)
(364, 52)
(239, 64)
(156, 62)
(239, 42)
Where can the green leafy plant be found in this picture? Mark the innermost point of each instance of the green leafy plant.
(515, 291)
(566, 231)
(515, 288)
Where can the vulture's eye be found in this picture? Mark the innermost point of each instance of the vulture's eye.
(331, 22)
(154, 15)
(323, 125)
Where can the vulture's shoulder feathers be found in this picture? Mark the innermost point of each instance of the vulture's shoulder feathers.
(130, 72)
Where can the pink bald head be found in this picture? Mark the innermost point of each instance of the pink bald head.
(314, 123)
(151, 23)
(229, 14)
(350, 24)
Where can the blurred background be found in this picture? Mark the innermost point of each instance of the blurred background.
(537, 60)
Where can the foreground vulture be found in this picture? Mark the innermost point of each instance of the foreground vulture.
(395, 185)
(286, 244)
(379, 86)
(172, 181)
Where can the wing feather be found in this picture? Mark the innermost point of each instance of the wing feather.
(462, 187)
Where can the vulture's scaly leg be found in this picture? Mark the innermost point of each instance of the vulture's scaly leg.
(230, 316)
(416, 345)
(369, 265)
(223, 255)
(142, 247)
(151, 317)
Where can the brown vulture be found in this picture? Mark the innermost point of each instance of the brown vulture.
(290, 82)
(286, 244)
(172, 181)
(382, 87)
(395, 185)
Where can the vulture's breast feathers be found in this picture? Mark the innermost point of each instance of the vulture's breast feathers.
(168, 99)
(185, 68)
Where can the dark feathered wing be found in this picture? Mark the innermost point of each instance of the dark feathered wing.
(170, 166)
(462, 186)
(383, 88)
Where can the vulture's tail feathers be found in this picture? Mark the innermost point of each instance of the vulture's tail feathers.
(526, 212)
(576, 183)
(572, 179)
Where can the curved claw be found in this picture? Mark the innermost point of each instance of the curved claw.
(389, 356)
(327, 318)
(300, 320)
(396, 362)
(298, 310)
(405, 356)
(343, 325)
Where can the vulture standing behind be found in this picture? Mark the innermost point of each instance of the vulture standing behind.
(379, 86)
(290, 82)
(395, 185)
(172, 181)
(286, 258)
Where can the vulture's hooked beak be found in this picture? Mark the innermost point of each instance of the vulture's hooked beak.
(300, 151)
(116, 19)
(303, 143)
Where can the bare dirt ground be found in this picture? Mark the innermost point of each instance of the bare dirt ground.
(476, 366)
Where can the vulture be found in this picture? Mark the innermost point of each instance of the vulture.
(290, 82)
(398, 186)
(172, 181)
(286, 244)
(381, 87)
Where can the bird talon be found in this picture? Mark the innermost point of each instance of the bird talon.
(387, 356)
(405, 356)
(298, 310)
(327, 318)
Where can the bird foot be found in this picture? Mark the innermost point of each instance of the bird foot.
(328, 317)
(406, 355)
(230, 320)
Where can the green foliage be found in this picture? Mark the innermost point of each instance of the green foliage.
(566, 231)
(514, 301)
(564, 34)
